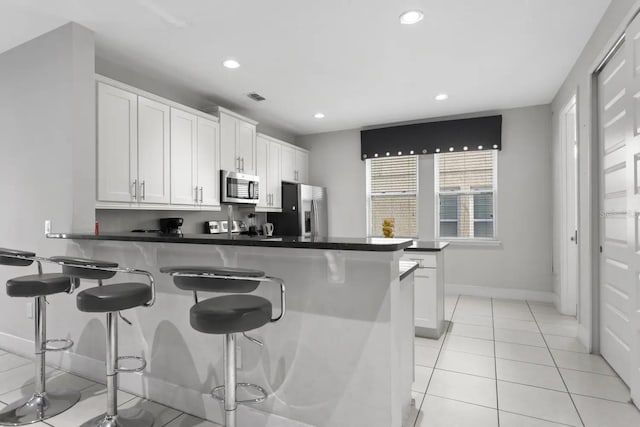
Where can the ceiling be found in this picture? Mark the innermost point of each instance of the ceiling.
(350, 59)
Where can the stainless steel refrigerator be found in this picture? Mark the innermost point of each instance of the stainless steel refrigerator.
(304, 212)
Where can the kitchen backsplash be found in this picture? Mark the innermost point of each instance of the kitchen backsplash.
(116, 220)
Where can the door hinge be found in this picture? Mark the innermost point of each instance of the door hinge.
(600, 248)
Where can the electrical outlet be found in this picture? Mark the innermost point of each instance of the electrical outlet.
(238, 357)
(29, 310)
(47, 226)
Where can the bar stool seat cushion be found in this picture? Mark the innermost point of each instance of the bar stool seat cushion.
(116, 297)
(37, 285)
(230, 314)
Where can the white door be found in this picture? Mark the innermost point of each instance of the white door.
(302, 166)
(183, 143)
(246, 147)
(153, 151)
(619, 207)
(288, 164)
(229, 160)
(262, 170)
(569, 248)
(208, 162)
(117, 151)
(275, 180)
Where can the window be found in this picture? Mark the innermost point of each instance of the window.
(465, 195)
(392, 188)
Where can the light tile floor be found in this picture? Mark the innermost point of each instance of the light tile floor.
(16, 380)
(514, 364)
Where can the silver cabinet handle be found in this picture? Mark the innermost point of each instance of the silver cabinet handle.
(135, 189)
(238, 164)
(143, 186)
(201, 197)
(242, 164)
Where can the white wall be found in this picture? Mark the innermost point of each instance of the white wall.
(47, 151)
(335, 163)
(523, 260)
(612, 25)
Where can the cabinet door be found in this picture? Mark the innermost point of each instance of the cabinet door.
(288, 164)
(262, 170)
(302, 166)
(117, 148)
(275, 179)
(425, 300)
(153, 151)
(183, 140)
(228, 138)
(208, 162)
(246, 147)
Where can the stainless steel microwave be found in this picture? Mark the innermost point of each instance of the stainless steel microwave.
(239, 188)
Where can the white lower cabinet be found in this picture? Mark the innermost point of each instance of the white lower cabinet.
(429, 293)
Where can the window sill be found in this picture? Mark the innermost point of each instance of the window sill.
(489, 243)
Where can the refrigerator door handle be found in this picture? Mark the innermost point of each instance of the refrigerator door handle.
(314, 218)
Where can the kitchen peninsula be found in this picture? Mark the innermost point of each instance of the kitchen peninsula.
(342, 356)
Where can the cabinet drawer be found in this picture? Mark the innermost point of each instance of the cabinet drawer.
(424, 261)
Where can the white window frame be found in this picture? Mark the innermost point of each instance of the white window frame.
(436, 193)
(403, 193)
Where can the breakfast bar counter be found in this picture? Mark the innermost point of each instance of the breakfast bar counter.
(341, 356)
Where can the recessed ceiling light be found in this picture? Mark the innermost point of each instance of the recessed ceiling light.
(411, 17)
(231, 63)
(319, 115)
(442, 97)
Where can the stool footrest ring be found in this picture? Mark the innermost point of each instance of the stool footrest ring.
(66, 344)
(140, 368)
(215, 393)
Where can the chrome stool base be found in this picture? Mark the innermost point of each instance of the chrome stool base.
(215, 393)
(126, 418)
(34, 408)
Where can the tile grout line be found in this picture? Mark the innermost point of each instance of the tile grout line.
(446, 332)
(556, 365)
(495, 360)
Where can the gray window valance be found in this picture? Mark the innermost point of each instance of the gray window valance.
(480, 133)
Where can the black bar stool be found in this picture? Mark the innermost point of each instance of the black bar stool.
(228, 315)
(111, 299)
(41, 404)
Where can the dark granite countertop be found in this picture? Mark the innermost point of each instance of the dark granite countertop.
(427, 246)
(406, 268)
(334, 243)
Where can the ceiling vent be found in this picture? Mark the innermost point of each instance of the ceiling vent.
(256, 97)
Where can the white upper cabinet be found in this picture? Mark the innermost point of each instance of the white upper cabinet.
(208, 162)
(302, 166)
(117, 145)
(183, 149)
(274, 178)
(153, 151)
(288, 163)
(262, 170)
(269, 159)
(237, 143)
(295, 164)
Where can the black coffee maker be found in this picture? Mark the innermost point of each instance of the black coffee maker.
(171, 225)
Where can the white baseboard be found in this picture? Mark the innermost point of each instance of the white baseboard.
(181, 398)
(556, 302)
(504, 293)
